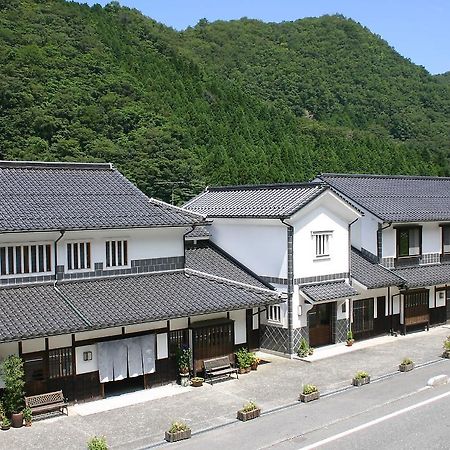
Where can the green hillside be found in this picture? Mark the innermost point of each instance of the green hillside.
(177, 111)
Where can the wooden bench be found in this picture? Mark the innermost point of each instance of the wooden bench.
(218, 368)
(51, 401)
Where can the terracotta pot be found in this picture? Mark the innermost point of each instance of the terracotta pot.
(254, 366)
(243, 370)
(28, 424)
(17, 420)
(350, 342)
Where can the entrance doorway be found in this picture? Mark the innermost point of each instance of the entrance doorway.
(416, 309)
(252, 335)
(363, 323)
(319, 325)
(447, 302)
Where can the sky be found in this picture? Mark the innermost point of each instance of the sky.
(417, 29)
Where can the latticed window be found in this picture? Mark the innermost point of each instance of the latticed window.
(446, 239)
(24, 259)
(60, 363)
(322, 243)
(116, 253)
(274, 313)
(78, 255)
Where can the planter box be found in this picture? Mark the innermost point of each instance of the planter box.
(446, 354)
(177, 436)
(244, 416)
(360, 381)
(196, 383)
(243, 370)
(305, 398)
(406, 367)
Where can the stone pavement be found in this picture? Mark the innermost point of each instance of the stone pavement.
(274, 385)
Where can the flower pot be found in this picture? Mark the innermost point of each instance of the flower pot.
(28, 424)
(5, 428)
(305, 398)
(406, 367)
(360, 381)
(177, 436)
(184, 379)
(243, 370)
(248, 415)
(254, 366)
(197, 383)
(17, 420)
(350, 342)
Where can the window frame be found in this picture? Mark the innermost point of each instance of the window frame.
(88, 262)
(109, 255)
(408, 228)
(32, 261)
(326, 244)
(273, 313)
(444, 227)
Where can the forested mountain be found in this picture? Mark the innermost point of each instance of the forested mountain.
(221, 103)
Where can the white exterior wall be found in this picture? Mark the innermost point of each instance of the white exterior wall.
(60, 341)
(259, 244)
(33, 345)
(240, 326)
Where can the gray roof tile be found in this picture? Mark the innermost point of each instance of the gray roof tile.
(275, 200)
(426, 275)
(209, 258)
(53, 196)
(371, 274)
(396, 198)
(199, 232)
(331, 290)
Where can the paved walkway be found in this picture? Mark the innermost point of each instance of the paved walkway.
(274, 385)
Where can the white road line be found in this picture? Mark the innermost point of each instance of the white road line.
(373, 422)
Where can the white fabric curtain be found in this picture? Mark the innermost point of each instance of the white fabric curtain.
(134, 357)
(105, 362)
(120, 354)
(148, 353)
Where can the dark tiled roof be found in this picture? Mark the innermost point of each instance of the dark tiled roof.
(371, 274)
(396, 198)
(322, 292)
(102, 303)
(54, 196)
(32, 311)
(211, 259)
(277, 200)
(426, 275)
(198, 232)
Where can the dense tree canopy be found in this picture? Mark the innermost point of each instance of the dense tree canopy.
(221, 103)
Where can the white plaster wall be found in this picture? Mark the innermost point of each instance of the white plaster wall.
(145, 326)
(339, 314)
(86, 366)
(178, 324)
(162, 346)
(240, 326)
(356, 232)
(369, 228)
(33, 345)
(98, 334)
(305, 262)
(255, 319)
(60, 341)
(389, 243)
(259, 244)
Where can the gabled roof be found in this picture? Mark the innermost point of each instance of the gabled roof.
(122, 300)
(330, 290)
(396, 198)
(371, 274)
(38, 196)
(425, 275)
(258, 201)
(209, 258)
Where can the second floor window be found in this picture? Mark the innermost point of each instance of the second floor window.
(446, 240)
(25, 259)
(274, 313)
(409, 241)
(322, 243)
(116, 253)
(78, 255)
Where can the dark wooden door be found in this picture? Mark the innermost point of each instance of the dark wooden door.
(35, 368)
(363, 322)
(211, 341)
(319, 324)
(381, 323)
(416, 308)
(447, 299)
(252, 335)
(177, 339)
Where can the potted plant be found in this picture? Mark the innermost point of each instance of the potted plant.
(184, 355)
(309, 393)
(97, 443)
(177, 432)
(254, 361)
(249, 411)
(304, 349)
(243, 360)
(406, 365)
(350, 339)
(6, 424)
(197, 381)
(13, 398)
(27, 416)
(446, 347)
(361, 377)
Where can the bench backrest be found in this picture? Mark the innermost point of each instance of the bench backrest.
(216, 363)
(44, 399)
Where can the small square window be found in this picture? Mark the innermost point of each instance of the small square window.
(322, 243)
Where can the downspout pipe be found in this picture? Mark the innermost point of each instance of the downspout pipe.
(61, 235)
(350, 279)
(184, 244)
(290, 285)
(380, 240)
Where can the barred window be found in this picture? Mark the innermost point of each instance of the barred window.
(116, 253)
(78, 255)
(60, 363)
(23, 259)
(322, 243)
(274, 313)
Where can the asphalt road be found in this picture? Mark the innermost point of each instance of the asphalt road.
(398, 412)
